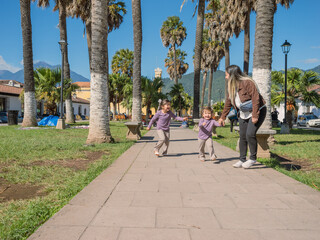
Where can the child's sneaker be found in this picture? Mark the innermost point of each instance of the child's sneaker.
(238, 164)
(214, 159)
(202, 159)
(249, 163)
(156, 153)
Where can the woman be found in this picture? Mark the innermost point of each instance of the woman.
(242, 89)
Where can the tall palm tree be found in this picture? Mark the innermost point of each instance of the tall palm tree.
(122, 62)
(176, 66)
(99, 129)
(30, 105)
(62, 5)
(172, 35)
(137, 39)
(205, 65)
(82, 9)
(262, 55)
(197, 57)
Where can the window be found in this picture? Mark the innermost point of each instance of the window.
(85, 112)
(79, 110)
(2, 104)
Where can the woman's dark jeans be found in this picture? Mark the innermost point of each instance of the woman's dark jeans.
(248, 132)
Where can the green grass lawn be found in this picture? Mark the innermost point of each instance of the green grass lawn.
(55, 162)
(296, 154)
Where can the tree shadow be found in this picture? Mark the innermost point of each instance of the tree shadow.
(285, 163)
(292, 142)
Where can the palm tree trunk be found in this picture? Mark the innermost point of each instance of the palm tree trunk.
(137, 38)
(114, 109)
(66, 74)
(99, 131)
(203, 90)
(246, 45)
(30, 104)
(210, 86)
(197, 58)
(89, 39)
(262, 55)
(175, 64)
(227, 64)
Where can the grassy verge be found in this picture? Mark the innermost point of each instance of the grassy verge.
(42, 158)
(296, 154)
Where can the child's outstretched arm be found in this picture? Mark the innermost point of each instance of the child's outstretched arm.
(153, 119)
(176, 117)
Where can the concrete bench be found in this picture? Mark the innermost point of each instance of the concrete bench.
(133, 130)
(262, 139)
(196, 124)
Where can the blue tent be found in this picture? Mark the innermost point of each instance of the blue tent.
(49, 121)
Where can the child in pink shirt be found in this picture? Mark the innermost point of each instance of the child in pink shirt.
(206, 124)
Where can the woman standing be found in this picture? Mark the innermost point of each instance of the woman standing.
(242, 89)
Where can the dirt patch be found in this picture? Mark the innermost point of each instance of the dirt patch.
(293, 164)
(76, 164)
(10, 191)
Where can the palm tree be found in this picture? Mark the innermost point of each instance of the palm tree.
(82, 9)
(172, 35)
(122, 62)
(299, 85)
(151, 93)
(62, 5)
(137, 39)
(176, 66)
(262, 55)
(99, 129)
(179, 98)
(29, 89)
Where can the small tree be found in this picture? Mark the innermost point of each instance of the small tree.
(179, 98)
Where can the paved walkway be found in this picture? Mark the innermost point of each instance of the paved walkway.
(177, 197)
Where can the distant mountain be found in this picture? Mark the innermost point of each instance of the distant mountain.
(18, 76)
(315, 69)
(187, 82)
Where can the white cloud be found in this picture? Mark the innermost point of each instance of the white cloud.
(5, 66)
(311, 60)
(316, 47)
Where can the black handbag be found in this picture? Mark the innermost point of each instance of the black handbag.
(232, 114)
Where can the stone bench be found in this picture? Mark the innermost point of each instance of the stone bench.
(133, 130)
(262, 139)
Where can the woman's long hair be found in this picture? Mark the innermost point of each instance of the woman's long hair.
(235, 76)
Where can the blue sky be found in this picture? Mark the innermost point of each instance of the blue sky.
(298, 25)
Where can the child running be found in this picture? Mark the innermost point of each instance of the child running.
(206, 124)
(163, 117)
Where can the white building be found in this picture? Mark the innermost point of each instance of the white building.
(10, 91)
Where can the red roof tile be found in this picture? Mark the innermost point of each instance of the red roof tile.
(83, 84)
(80, 100)
(10, 90)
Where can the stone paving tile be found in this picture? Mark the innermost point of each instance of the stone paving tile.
(197, 178)
(290, 234)
(222, 188)
(258, 188)
(247, 219)
(153, 234)
(159, 178)
(296, 201)
(213, 200)
(179, 187)
(198, 218)
(261, 201)
(65, 232)
(138, 187)
(298, 219)
(154, 170)
(132, 177)
(167, 171)
(123, 199)
(73, 216)
(314, 199)
(158, 199)
(100, 233)
(222, 234)
(234, 179)
(299, 188)
(125, 217)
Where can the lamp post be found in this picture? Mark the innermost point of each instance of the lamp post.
(61, 122)
(285, 49)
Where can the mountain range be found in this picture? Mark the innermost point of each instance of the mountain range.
(186, 80)
(18, 76)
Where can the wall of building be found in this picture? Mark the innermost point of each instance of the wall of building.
(12, 103)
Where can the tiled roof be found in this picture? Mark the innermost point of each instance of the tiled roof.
(80, 100)
(6, 82)
(314, 88)
(83, 84)
(10, 90)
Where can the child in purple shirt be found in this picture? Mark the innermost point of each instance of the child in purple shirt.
(163, 118)
(206, 124)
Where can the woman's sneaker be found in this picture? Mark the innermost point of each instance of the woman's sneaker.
(249, 163)
(238, 164)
